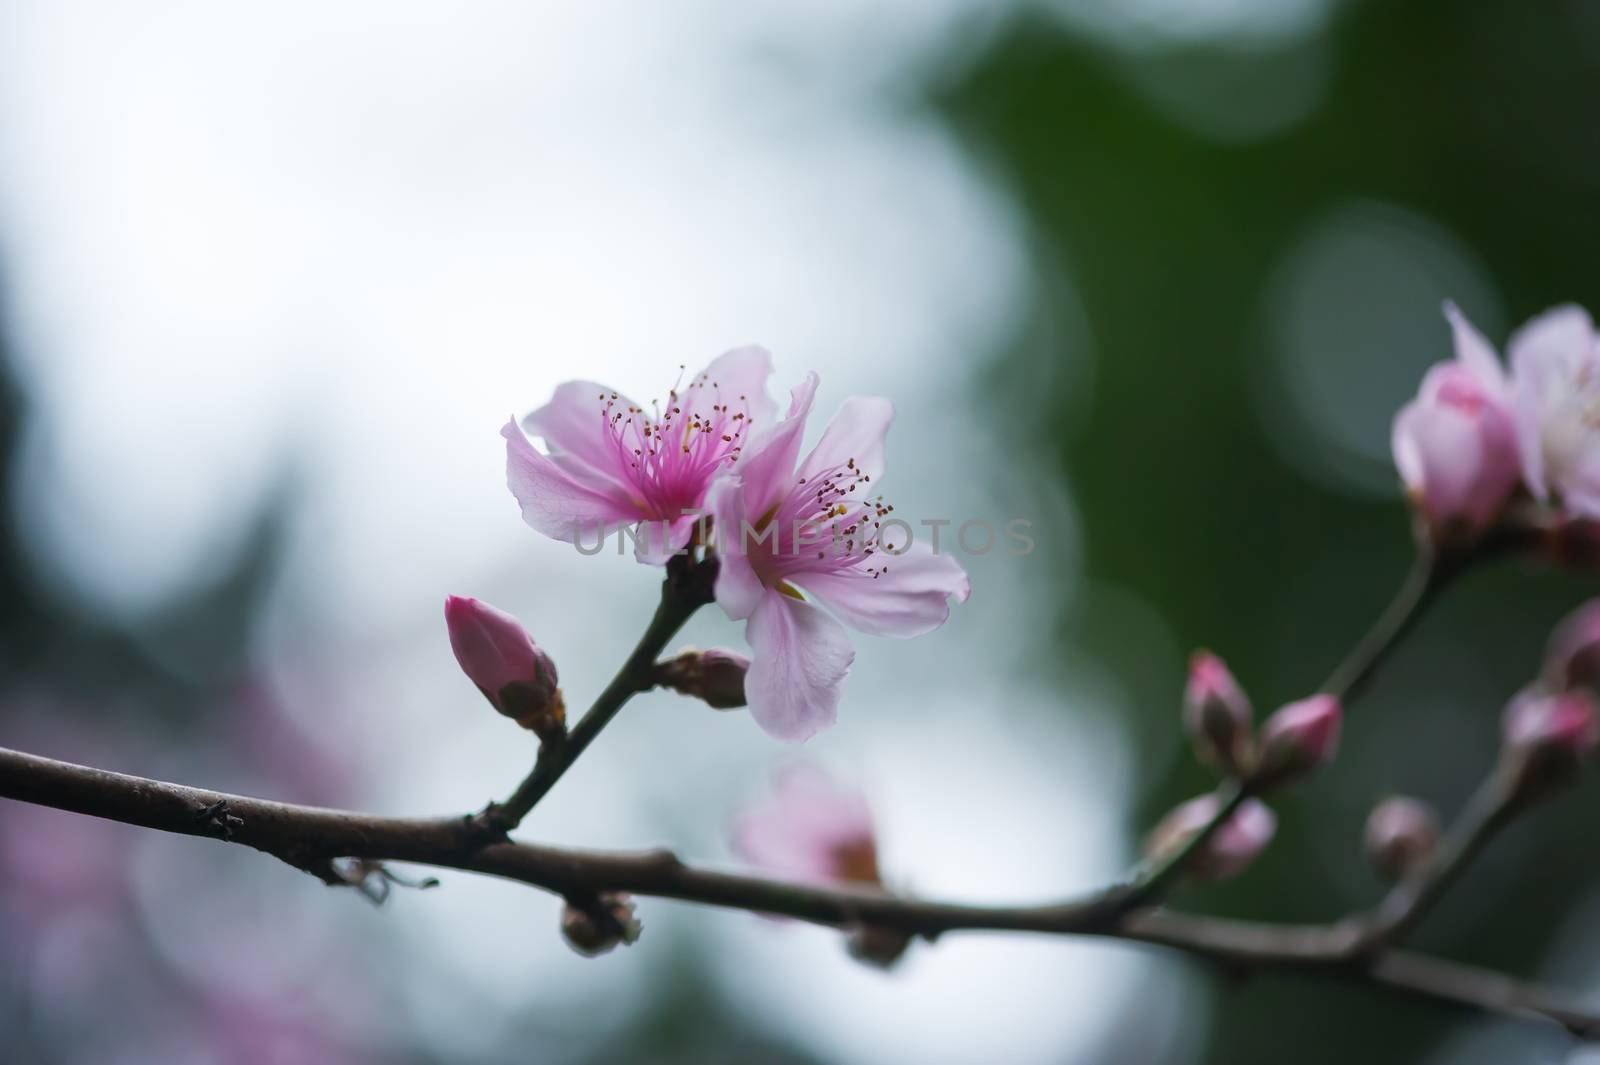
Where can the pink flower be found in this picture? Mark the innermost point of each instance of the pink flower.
(812, 829)
(1297, 739)
(1455, 445)
(613, 464)
(497, 654)
(1233, 846)
(816, 527)
(1555, 366)
(1573, 657)
(1216, 713)
(1569, 722)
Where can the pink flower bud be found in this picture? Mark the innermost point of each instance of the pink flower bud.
(1573, 658)
(497, 654)
(1455, 445)
(715, 676)
(1229, 850)
(1297, 739)
(1216, 714)
(1548, 738)
(1400, 836)
(595, 929)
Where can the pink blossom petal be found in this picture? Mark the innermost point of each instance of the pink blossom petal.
(740, 373)
(553, 501)
(808, 825)
(738, 589)
(1545, 358)
(767, 464)
(658, 541)
(800, 657)
(855, 434)
(912, 597)
(573, 426)
(1474, 352)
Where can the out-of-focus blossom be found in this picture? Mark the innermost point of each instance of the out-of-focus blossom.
(715, 676)
(1231, 848)
(818, 528)
(1548, 739)
(614, 464)
(1400, 836)
(1573, 657)
(1297, 739)
(497, 654)
(812, 829)
(1455, 445)
(1216, 714)
(1555, 367)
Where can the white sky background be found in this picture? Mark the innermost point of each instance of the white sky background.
(351, 239)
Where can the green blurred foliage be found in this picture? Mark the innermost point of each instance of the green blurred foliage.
(1478, 117)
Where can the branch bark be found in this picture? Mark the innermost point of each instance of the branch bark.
(312, 838)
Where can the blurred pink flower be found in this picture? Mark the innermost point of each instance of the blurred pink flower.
(1233, 846)
(612, 464)
(782, 528)
(1572, 659)
(1555, 366)
(812, 829)
(1455, 445)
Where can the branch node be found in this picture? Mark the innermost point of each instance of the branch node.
(218, 821)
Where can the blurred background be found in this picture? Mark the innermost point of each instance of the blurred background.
(1150, 274)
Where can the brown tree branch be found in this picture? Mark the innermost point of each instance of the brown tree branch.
(312, 838)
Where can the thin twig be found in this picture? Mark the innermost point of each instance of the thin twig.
(687, 588)
(1490, 809)
(306, 836)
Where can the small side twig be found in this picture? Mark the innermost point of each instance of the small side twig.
(687, 587)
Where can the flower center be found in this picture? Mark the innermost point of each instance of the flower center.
(674, 451)
(826, 523)
(1572, 422)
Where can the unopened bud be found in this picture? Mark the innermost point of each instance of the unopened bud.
(1297, 739)
(1573, 658)
(599, 926)
(497, 654)
(877, 946)
(1400, 836)
(715, 676)
(1216, 714)
(1231, 848)
(1548, 738)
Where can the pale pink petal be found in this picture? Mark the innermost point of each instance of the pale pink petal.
(767, 464)
(573, 426)
(910, 598)
(855, 434)
(1545, 356)
(738, 588)
(800, 657)
(804, 828)
(553, 501)
(659, 539)
(1444, 452)
(1476, 353)
(740, 380)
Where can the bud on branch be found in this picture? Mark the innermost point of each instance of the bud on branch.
(715, 676)
(1216, 714)
(497, 654)
(1296, 740)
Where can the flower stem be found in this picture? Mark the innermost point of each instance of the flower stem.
(687, 588)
